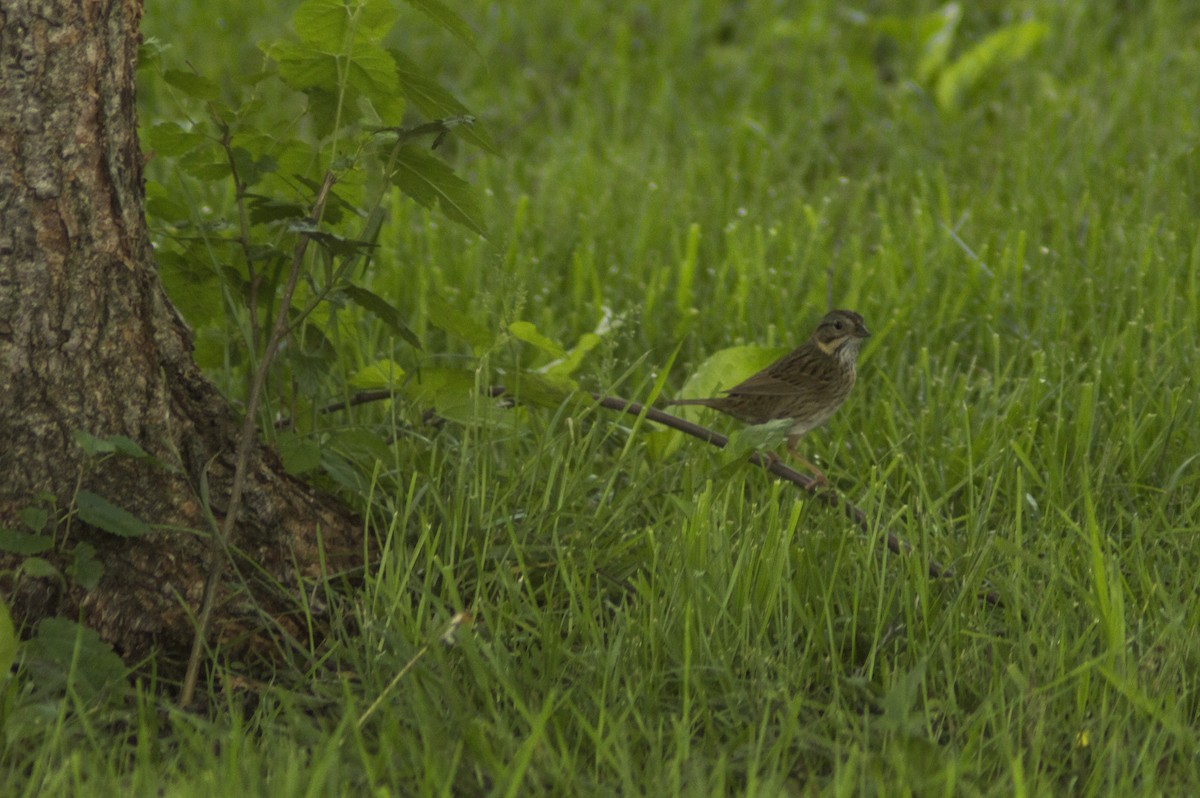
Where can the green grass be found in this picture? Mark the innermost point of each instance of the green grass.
(652, 619)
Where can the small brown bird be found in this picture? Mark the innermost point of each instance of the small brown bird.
(806, 385)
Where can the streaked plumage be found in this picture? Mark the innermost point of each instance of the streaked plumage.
(806, 385)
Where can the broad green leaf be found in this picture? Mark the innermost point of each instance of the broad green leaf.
(333, 24)
(451, 22)
(543, 390)
(526, 331)
(440, 386)
(461, 325)
(300, 453)
(78, 654)
(373, 72)
(85, 568)
(1001, 49)
(103, 514)
(380, 374)
(39, 568)
(435, 102)
(34, 518)
(168, 138)
(432, 183)
(16, 542)
(192, 84)
(383, 310)
(302, 68)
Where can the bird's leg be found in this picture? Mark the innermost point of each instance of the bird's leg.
(818, 475)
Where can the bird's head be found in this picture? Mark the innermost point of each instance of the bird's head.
(841, 332)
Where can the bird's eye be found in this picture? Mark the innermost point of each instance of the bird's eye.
(837, 325)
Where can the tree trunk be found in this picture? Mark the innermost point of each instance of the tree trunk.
(89, 342)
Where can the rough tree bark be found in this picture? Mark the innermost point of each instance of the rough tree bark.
(89, 341)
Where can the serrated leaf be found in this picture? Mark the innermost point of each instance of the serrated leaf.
(39, 568)
(303, 68)
(300, 454)
(435, 102)
(447, 19)
(373, 72)
(78, 654)
(528, 332)
(34, 518)
(383, 310)
(168, 138)
(101, 513)
(333, 24)
(450, 319)
(432, 183)
(192, 84)
(16, 542)
(85, 568)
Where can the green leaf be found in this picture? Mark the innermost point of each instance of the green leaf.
(93, 445)
(334, 24)
(113, 444)
(300, 453)
(16, 542)
(168, 138)
(440, 386)
(435, 102)
(938, 30)
(446, 317)
(526, 331)
(39, 568)
(574, 359)
(192, 84)
(85, 568)
(448, 20)
(383, 310)
(34, 518)
(543, 390)
(380, 374)
(103, 514)
(432, 183)
(76, 655)
(1002, 48)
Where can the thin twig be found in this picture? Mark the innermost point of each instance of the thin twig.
(246, 442)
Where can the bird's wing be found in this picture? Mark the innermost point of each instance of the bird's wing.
(796, 372)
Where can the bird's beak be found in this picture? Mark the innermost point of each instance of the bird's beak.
(862, 332)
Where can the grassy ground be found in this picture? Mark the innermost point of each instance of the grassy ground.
(652, 619)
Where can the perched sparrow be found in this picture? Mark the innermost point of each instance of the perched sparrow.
(806, 385)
